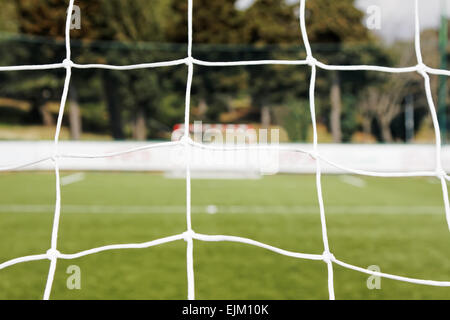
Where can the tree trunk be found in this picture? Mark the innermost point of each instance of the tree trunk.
(74, 114)
(110, 88)
(140, 127)
(367, 126)
(47, 118)
(386, 131)
(265, 117)
(336, 107)
(202, 108)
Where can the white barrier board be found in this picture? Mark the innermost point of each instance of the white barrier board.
(382, 158)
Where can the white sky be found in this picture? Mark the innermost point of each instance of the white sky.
(397, 16)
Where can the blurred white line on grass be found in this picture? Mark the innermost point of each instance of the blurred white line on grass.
(232, 209)
(353, 181)
(73, 178)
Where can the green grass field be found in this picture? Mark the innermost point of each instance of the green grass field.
(397, 224)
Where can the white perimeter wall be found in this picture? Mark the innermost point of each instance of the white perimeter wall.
(386, 158)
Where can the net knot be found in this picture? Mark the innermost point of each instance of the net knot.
(440, 173)
(189, 60)
(54, 157)
(328, 257)
(67, 63)
(311, 60)
(314, 155)
(421, 69)
(52, 254)
(188, 235)
(186, 140)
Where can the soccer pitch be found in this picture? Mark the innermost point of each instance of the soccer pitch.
(397, 224)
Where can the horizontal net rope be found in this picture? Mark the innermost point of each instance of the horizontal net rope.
(232, 148)
(218, 238)
(53, 254)
(194, 61)
(305, 62)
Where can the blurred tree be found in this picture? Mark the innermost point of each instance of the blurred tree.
(47, 19)
(148, 98)
(298, 120)
(268, 29)
(216, 25)
(335, 23)
(384, 103)
(271, 27)
(8, 16)
(214, 22)
(224, 33)
(129, 23)
(383, 99)
(140, 92)
(273, 23)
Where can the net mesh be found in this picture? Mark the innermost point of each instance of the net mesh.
(189, 235)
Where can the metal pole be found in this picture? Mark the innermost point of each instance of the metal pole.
(409, 118)
(442, 89)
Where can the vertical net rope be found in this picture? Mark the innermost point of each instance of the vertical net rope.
(52, 253)
(188, 144)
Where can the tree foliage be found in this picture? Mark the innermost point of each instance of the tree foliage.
(145, 102)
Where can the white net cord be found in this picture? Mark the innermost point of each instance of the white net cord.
(189, 236)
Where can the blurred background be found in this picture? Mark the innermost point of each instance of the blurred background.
(398, 224)
(352, 107)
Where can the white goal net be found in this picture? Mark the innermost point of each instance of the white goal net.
(190, 235)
